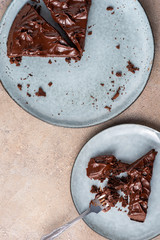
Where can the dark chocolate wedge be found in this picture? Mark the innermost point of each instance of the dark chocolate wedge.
(31, 35)
(72, 16)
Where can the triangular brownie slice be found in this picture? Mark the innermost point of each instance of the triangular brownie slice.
(72, 16)
(31, 35)
(140, 174)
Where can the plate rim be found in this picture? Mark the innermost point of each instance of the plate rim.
(105, 130)
(90, 124)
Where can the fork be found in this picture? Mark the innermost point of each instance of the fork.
(96, 206)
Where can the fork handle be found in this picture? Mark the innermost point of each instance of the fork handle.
(60, 230)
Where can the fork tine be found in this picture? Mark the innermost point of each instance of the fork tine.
(101, 196)
(100, 201)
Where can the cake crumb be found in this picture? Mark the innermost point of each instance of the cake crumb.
(19, 86)
(109, 108)
(119, 74)
(117, 94)
(16, 61)
(118, 46)
(131, 67)
(124, 201)
(50, 84)
(28, 94)
(91, 26)
(50, 62)
(90, 33)
(40, 93)
(94, 189)
(68, 60)
(110, 8)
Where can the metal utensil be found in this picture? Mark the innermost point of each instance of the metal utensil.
(96, 206)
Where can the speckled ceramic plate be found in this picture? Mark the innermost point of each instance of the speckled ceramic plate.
(81, 91)
(127, 142)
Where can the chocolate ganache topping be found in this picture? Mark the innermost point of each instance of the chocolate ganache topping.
(31, 35)
(140, 174)
(72, 16)
(100, 168)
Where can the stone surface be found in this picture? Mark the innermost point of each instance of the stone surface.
(35, 195)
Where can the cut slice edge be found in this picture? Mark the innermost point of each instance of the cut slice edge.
(149, 156)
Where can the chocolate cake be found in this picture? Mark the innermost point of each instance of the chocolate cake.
(31, 35)
(140, 174)
(100, 168)
(135, 186)
(72, 16)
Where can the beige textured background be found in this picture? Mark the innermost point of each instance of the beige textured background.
(36, 158)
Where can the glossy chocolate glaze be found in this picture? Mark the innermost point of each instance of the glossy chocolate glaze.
(140, 174)
(31, 35)
(100, 168)
(72, 16)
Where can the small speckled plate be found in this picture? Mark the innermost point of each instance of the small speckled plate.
(127, 142)
(81, 93)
